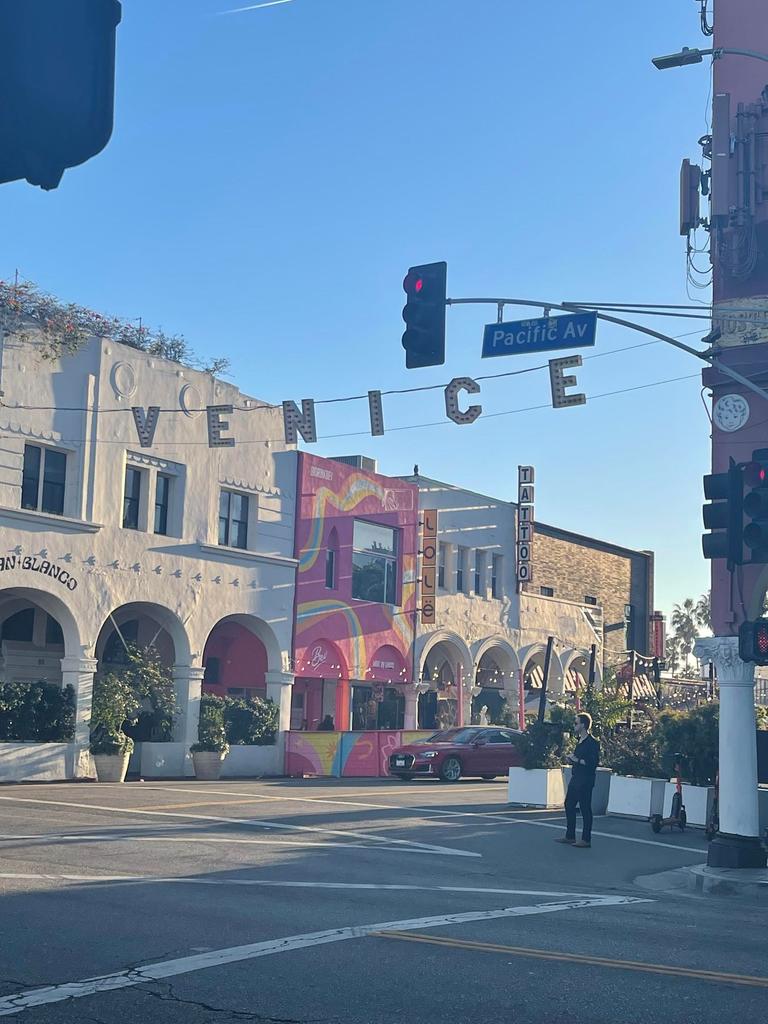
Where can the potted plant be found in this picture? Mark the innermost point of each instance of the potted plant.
(543, 744)
(115, 705)
(212, 746)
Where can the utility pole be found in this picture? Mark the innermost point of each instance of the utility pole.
(738, 227)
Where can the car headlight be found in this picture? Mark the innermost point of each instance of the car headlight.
(429, 753)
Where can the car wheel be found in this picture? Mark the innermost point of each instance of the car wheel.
(487, 777)
(405, 777)
(450, 770)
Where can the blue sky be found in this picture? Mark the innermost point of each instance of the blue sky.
(273, 173)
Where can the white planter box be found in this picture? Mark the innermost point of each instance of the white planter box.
(536, 787)
(164, 760)
(636, 797)
(697, 801)
(245, 761)
(36, 762)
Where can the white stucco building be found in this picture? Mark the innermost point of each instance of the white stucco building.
(486, 634)
(102, 539)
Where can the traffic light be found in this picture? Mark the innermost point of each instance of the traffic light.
(424, 315)
(57, 75)
(753, 641)
(756, 505)
(724, 516)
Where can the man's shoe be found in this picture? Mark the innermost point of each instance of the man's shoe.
(566, 841)
(582, 845)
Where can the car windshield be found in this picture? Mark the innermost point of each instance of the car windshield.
(454, 736)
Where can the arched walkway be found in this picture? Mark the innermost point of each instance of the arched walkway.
(147, 625)
(532, 661)
(496, 675)
(446, 670)
(41, 641)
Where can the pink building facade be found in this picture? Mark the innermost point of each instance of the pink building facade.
(356, 546)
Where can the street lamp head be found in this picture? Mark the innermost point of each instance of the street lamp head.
(679, 60)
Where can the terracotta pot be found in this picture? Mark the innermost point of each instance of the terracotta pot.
(208, 764)
(111, 767)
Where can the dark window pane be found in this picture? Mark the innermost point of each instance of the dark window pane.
(131, 498)
(368, 577)
(374, 538)
(239, 506)
(223, 530)
(114, 650)
(224, 504)
(53, 633)
(330, 569)
(239, 536)
(30, 480)
(54, 475)
(212, 670)
(162, 495)
(391, 592)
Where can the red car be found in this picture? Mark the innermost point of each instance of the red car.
(484, 751)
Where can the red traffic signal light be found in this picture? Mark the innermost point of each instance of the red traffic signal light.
(756, 505)
(424, 315)
(753, 642)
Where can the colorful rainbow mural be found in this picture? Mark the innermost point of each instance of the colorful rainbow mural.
(331, 496)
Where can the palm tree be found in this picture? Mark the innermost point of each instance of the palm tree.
(685, 626)
(703, 610)
(672, 652)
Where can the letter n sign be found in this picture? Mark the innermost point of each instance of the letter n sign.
(428, 565)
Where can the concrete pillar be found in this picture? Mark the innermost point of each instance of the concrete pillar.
(737, 844)
(188, 684)
(411, 718)
(78, 673)
(280, 689)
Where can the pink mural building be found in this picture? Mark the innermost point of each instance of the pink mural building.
(356, 545)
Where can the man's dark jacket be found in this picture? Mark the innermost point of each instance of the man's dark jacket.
(588, 750)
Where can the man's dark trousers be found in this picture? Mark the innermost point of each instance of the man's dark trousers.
(579, 795)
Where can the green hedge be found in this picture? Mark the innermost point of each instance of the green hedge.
(36, 712)
(250, 722)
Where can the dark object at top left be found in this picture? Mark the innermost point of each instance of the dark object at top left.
(57, 85)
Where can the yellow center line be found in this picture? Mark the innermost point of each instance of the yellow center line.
(578, 958)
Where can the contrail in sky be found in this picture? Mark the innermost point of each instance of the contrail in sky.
(255, 7)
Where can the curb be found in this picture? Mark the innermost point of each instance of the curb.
(739, 883)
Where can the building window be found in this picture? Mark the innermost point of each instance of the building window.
(43, 479)
(442, 556)
(461, 565)
(212, 671)
(479, 572)
(547, 591)
(330, 569)
(162, 501)
(233, 519)
(131, 498)
(374, 563)
(590, 600)
(19, 627)
(496, 576)
(53, 632)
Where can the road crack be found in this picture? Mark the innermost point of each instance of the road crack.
(171, 996)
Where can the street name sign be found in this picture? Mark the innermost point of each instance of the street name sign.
(544, 334)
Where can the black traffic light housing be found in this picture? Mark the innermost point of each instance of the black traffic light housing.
(756, 505)
(57, 80)
(424, 315)
(724, 516)
(753, 642)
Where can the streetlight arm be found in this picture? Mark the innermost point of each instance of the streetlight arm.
(724, 51)
(571, 307)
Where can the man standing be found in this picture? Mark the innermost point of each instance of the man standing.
(584, 759)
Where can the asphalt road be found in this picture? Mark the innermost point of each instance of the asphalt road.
(353, 902)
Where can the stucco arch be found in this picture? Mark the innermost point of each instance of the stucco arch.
(427, 644)
(261, 630)
(164, 618)
(536, 654)
(579, 659)
(14, 599)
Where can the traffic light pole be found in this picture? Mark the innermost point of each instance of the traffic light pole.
(572, 307)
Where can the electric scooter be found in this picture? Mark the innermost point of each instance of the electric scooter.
(677, 816)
